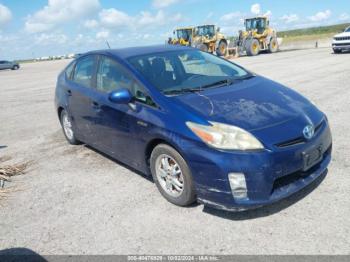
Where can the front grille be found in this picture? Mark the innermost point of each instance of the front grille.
(342, 44)
(292, 178)
(342, 38)
(298, 140)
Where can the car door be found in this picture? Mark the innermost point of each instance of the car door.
(2, 65)
(117, 124)
(80, 91)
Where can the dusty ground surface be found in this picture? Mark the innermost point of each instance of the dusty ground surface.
(77, 201)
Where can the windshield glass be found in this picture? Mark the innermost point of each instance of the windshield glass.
(184, 34)
(347, 30)
(257, 23)
(206, 30)
(190, 70)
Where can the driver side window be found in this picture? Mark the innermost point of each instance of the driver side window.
(111, 76)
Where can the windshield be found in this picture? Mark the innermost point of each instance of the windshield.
(347, 30)
(257, 23)
(206, 30)
(191, 70)
(184, 34)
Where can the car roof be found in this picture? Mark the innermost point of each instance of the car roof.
(126, 53)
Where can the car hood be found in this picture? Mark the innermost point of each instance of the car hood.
(343, 34)
(263, 107)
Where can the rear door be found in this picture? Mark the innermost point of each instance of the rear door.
(80, 91)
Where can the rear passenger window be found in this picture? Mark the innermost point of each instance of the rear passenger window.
(83, 73)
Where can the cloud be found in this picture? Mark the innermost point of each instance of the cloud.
(268, 13)
(255, 9)
(114, 18)
(102, 34)
(344, 17)
(159, 4)
(231, 16)
(91, 24)
(5, 15)
(290, 18)
(57, 12)
(320, 16)
(48, 39)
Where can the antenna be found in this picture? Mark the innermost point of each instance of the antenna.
(109, 47)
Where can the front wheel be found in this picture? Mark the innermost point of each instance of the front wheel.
(222, 48)
(67, 128)
(252, 47)
(172, 175)
(15, 67)
(336, 51)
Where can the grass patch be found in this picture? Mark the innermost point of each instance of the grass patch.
(9, 171)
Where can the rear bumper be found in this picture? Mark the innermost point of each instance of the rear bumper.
(271, 175)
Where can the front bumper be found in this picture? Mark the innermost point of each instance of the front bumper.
(271, 175)
(341, 45)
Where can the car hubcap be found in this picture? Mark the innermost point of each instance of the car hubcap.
(67, 126)
(169, 175)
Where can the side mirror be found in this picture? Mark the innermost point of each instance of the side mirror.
(218, 29)
(174, 32)
(120, 96)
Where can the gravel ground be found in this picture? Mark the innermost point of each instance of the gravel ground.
(77, 201)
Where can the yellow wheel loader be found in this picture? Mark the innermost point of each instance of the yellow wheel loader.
(182, 36)
(258, 36)
(209, 39)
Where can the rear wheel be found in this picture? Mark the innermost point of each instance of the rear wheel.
(252, 47)
(273, 46)
(222, 48)
(172, 175)
(66, 124)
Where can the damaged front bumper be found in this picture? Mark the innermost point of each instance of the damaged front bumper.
(271, 175)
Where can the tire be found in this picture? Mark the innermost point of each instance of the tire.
(69, 136)
(222, 48)
(203, 47)
(273, 45)
(187, 195)
(337, 51)
(252, 47)
(15, 67)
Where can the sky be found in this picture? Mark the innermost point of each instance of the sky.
(37, 28)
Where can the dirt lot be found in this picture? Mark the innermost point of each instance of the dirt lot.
(77, 201)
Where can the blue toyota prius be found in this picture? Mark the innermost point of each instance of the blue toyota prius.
(206, 129)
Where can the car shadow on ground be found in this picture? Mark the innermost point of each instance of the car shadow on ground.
(269, 209)
(20, 254)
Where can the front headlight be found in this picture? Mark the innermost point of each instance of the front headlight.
(222, 136)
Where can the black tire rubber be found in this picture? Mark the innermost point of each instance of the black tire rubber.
(273, 45)
(188, 195)
(250, 47)
(222, 48)
(337, 51)
(74, 140)
(203, 47)
(15, 67)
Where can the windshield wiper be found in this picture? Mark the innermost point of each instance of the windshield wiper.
(182, 91)
(227, 81)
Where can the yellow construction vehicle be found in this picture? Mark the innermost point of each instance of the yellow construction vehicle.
(182, 36)
(258, 36)
(209, 39)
